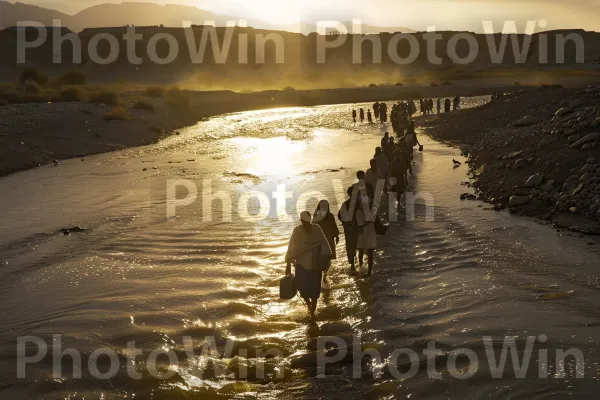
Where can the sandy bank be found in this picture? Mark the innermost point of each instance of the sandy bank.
(535, 152)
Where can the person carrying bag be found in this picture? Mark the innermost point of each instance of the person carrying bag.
(310, 252)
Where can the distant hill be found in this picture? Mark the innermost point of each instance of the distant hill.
(10, 14)
(148, 14)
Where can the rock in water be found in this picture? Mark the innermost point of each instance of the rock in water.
(517, 200)
(534, 180)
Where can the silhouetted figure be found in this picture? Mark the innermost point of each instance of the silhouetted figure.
(367, 237)
(354, 116)
(383, 115)
(369, 117)
(447, 105)
(307, 240)
(385, 140)
(362, 115)
(376, 109)
(439, 105)
(347, 216)
(324, 218)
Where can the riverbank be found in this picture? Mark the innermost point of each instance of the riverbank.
(534, 152)
(39, 133)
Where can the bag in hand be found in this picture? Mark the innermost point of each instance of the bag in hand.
(287, 288)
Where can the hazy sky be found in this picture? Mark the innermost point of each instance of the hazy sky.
(445, 14)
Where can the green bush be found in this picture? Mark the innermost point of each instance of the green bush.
(105, 97)
(143, 105)
(70, 94)
(33, 75)
(155, 91)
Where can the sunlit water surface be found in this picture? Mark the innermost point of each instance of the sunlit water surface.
(136, 275)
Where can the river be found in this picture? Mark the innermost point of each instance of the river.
(154, 274)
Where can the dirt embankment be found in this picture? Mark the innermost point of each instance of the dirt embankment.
(39, 133)
(535, 152)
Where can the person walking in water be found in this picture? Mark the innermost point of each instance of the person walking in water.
(307, 244)
(362, 115)
(367, 236)
(369, 117)
(324, 218)
(376, 107)
(354, 116)
(383, 113)
(439, 105)
(347, 216)
(385, 140)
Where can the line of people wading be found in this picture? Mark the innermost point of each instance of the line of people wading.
(402, 112)
(313, 243)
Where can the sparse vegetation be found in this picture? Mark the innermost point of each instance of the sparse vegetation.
(399, 84)
(143, 105)
(116, 114)
(32, 88)
(70, 94)
(73, 78)
(105, 97)
(33, 75)
(372, 85)
(178, 99)
(155, 92)
(289, 89)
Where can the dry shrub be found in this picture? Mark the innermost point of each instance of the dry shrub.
(143, 105)
(72, 78)
(70, 94)
(178, 99)
(116, 114)
(107, 97)
(32, 88)
(33, 75)
(155, 92)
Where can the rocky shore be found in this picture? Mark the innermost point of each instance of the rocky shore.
(535, 152)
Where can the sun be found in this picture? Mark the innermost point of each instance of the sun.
(272, 11)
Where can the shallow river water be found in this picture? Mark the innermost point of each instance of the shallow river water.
(146, 273)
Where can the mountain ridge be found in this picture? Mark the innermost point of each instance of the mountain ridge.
(130, 13)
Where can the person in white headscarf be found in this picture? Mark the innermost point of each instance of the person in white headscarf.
(307, 245)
